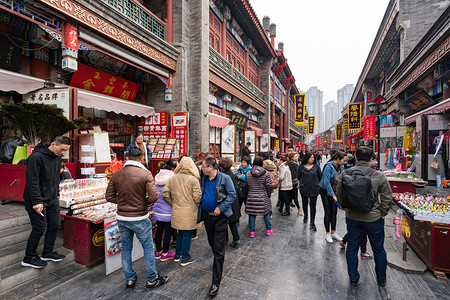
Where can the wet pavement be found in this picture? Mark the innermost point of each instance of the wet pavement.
(293, 263)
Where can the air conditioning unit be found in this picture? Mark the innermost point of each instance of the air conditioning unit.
(226, 98)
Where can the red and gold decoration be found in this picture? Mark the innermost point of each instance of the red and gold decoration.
(299, 109)
(338, 132)
(70, 52)
(370, 128)
(311, 124)
(180, 130)
(155, 126)
(354, 116)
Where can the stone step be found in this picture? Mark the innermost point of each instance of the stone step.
(14, 254)
(14, 235)
(46, 282)
(6, 223)
(15, 275)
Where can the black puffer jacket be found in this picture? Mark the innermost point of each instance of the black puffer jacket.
(259, 190)
(236, 207)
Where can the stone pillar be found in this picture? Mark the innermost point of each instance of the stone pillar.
(266, 88)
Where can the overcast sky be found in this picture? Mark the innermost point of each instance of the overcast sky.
(326, 42)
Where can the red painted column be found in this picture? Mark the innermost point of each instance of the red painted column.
(40, 66)
(169, 21)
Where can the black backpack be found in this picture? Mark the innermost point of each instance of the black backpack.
(356, 190)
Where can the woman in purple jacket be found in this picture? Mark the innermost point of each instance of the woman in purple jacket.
(162, 212)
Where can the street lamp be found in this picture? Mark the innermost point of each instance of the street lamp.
(375, 110)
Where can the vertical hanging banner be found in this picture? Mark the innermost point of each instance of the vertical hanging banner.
(369, 97)
(180, 122)
(338, 132)
(354, 116)
(311, 121)
(299, 109)
(370, 128)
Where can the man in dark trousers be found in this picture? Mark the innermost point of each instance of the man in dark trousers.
(41, 200)
(218, 194)
(246, 150)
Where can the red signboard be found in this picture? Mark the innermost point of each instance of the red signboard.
(92, 79)
(180, 130)
(370, 128)
(155, 126)
(71, 38)
(369, 96)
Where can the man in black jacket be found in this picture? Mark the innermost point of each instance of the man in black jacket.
(246, 150)
(41, 200)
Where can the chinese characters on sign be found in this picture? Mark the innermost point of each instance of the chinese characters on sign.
(94, 80)
(370, 128)
(155, 126)
(299, 110)
(369, 96)
(338, 132)
(238, 119)
(354, 116)
(56, 97)
(419, 101)
(180, 130)
(311, 121)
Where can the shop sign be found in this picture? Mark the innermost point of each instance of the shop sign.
(311, 121)
(299, 110)
(215, 100)
(94, 80)
(370, 128)
(238, 119)
(71, 37)
(419, 101)
(9, 53)
(349, 141)
(354, 116)
(168, 91)
(353, 147)
(180, 130)
(387, 132)
(155, 126)
(277, 144)
(386, 121)
(338, 132)
(57, 97)
(369, 96)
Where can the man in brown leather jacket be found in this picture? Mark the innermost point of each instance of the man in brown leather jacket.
(133, 188)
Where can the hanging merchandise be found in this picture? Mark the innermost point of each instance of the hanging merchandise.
(408, 138)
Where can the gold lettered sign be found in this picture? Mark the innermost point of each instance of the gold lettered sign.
(238, 119)
(338, 132)
(354, 116)
(299, 109)
(311, 121)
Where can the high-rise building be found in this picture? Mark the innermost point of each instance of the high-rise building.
(331, 114)
(343, 96)
(314, 104)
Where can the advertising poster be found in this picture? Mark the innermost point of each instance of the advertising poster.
(299, 109)
(113, 240)
(228, 139)
(155, 126)
(180, 130)
(386, 121)
(265, 143)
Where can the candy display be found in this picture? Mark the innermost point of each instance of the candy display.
(433, 208)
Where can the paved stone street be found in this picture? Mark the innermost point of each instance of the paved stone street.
(293, 263)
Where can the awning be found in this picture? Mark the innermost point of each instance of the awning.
(102, 102)
(218, 121)
(16, 82)
(273, 133)
(358, 134)
(287, 140)
(437, 108)
(258, 131)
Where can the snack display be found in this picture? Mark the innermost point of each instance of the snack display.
(433, 208)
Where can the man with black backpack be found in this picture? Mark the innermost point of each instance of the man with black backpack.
(366, 195)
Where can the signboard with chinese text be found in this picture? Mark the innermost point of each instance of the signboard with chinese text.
(338, 132)
(238, 119)
(57, 97)
(311, 121)
(354, 116)
(155, 126)
(369, 96)
(387, 132)
(180, 131)
(94, 80)
(418, 101)
(370, 128)
(299, 110)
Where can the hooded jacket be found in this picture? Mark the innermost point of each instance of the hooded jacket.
(183, 192)
(162, 210)
(259, 190)
(42, 176)
(285, 177)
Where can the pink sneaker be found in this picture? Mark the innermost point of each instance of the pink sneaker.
(167, 256)
(269, 232)
(158, 255)
(252, 234)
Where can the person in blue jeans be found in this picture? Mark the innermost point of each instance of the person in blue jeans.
(372, 222)
(132, 188)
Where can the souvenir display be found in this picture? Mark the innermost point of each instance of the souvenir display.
(433, 208)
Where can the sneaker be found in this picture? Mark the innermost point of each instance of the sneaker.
(173, 243)
(167, 256)
(381, 283)
(313, 227)
(158, 255)
(342, 244)
(194, 237)
(36, 262)
(187, 261)
(336, 237)
(234, 244)
(329, 238)
(252, 234)
(53, 256)
(177, 258)
(366, 255)
(300, 212)
(269, 231)
(160, 280)
(131, 283)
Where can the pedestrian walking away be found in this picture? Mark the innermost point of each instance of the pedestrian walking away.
(328, 195)
(285, 183)
(293, 166)
(309, 176)
(372, 222)
(183, 192)
(218, 195)
(132, 188)
(41, 200)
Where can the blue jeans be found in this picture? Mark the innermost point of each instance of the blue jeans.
(375, 232)
(183, 244)
(143, 231)
(252, 220)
